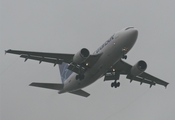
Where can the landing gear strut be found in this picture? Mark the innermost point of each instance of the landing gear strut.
(124, 50)
(115, 83)
(80, 75)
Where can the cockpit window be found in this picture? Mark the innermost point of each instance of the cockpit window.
(129, 28)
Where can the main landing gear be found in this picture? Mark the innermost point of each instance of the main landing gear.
(80, 75)
(115, 84)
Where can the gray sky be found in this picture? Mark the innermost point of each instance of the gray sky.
(68, 26)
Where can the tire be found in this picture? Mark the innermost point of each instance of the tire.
(118, 84)
(112, 84)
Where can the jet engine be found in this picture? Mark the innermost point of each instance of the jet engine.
(81, 56)
(138, 68)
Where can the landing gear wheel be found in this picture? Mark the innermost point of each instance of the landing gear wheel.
(118, 84)
(115, 84)
(112, 84)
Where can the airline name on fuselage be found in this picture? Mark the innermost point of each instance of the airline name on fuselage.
(102, 46)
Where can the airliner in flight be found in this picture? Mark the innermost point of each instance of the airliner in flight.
(82, 69)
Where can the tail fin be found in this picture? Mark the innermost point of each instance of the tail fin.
(64, 71)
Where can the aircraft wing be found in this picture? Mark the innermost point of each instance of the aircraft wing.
(55, 58)
(41, 56)
(124, 68)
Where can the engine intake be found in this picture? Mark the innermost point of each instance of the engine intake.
(138, 68)
(81, 56)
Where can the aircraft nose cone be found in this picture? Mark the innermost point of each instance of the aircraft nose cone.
(130, 36)
(134, 33)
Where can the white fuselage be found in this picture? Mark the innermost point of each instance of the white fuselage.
(112, 52)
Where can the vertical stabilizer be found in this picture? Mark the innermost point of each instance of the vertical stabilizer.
(64, 71)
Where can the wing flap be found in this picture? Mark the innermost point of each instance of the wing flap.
(141, 80)
(157, 80)
(66, 57)
(42, 59)
(80, 93)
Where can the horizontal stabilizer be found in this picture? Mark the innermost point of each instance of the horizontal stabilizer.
(80, 93)
(53, 86)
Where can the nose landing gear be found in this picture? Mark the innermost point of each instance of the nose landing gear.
(124, 50)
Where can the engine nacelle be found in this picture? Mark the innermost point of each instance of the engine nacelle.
(81, 56)
(138, 68)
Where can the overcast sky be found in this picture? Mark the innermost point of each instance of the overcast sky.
(66, 27)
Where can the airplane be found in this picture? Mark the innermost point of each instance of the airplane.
(82, 69)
